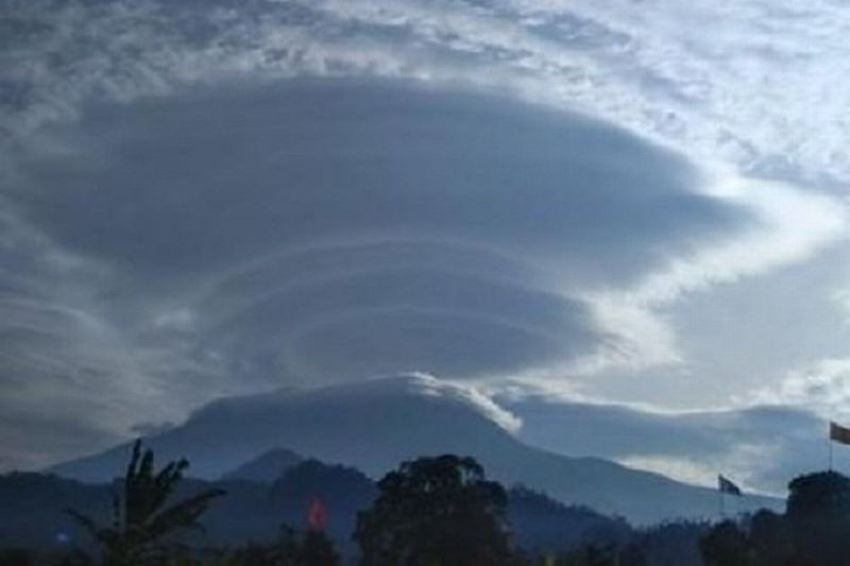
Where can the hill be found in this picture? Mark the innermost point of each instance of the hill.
(267, 467)
(376, 424)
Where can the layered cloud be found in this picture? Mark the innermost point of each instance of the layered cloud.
(205, 198)
(762, 447)
(361, 230)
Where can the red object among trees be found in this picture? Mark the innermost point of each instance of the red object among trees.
(317, 515)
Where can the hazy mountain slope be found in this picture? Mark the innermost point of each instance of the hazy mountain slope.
(761, 446)
(542, 524)
(375, 425)
(32, 508)
(265, 468)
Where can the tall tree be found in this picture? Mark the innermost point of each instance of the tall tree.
(436, 511)
(142, 518)
(819, 516)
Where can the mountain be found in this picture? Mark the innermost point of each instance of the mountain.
(267, 467)
(32, 508)
(541, 524)
(374, 425)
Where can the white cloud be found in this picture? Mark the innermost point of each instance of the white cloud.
(742, 462)
(752, 81)
(792, 227)
(752, 84)
(760, 447)
(471, 396)
(823, 387)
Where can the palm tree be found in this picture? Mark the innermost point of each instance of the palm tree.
(141, 519)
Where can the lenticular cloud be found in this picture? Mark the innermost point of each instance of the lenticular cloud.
(207, 198)
(323, 231)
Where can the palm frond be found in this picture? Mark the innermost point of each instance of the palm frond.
(183, 514)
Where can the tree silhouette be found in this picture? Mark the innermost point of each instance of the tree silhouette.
(819, 516)
(141, 519)
(312, 548)
(316, 549)
(15, 557)
(602, 555)
(435, 511)
(725, 545)
(770, 539)
(813, 531)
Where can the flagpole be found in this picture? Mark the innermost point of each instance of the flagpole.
(830, 454)
(719, 498)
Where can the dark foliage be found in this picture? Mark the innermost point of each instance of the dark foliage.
(672, 543)
(317, 550)
(769, 539)
(726, 545)
(15, 557)
(440, 511)
(253, 511)
(819, 518)
(312, 548)
(602, 555)
(814, 531)
(142, 521)
(436, 511)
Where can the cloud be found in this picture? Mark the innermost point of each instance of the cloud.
(755, 79)
(824, 387)
(791, 227)
(470, 396)
(31, 438)
(167, 228)
(451, 235)
(752, 82)
(762, 447)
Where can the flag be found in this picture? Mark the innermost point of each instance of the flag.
(726, 486)
(317, 515)
(839, 433)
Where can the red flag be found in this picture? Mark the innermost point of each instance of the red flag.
(317, 515)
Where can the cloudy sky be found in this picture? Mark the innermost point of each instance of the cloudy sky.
(631, 214)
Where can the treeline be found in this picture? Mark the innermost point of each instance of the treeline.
(814, 530)
(440, 511)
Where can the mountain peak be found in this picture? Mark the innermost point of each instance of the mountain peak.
(267, 467)
(410, 386)
(374, 425)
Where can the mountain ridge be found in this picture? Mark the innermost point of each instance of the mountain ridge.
(374, 425)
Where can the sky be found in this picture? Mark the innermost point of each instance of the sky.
(632, 214)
